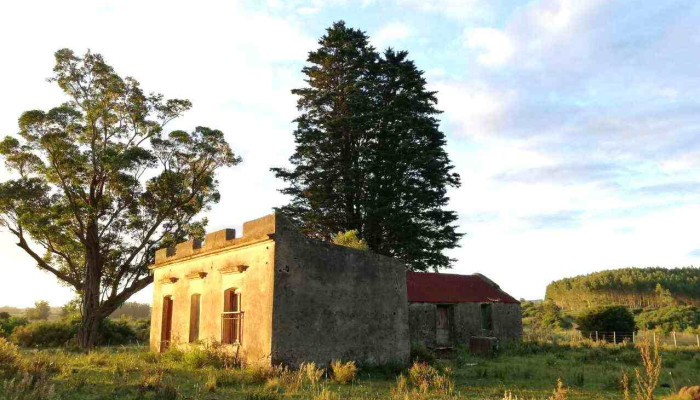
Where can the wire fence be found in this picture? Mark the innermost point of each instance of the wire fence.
(673, 339)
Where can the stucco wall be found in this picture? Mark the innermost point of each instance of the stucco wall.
(507, 322)
(255, 285)
(331, 302)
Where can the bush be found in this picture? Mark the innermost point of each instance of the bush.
(117, 332)
(419, 352)
(549, 316)
(343, 372)
(44, 334)
(668, 319)
(9, 324)
(606, 319)
(9, 359)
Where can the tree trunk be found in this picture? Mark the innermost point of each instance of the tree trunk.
(91, 316)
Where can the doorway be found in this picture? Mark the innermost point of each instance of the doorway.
(167, 323)
(445, 318)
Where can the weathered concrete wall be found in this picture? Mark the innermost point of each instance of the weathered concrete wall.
(209, 270)
(422, 322)
(507, 322)
(332, 302)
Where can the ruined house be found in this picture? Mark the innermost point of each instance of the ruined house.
(448, 309)
(276, 296)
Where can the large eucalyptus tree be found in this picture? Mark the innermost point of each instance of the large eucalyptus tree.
(98, 185)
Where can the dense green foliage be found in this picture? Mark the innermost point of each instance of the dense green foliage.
(632, 287)
(606, 319)
(59, 333)
(369, 153)
(544, 316)
(99, 185)
(672, 318)
(9, 324)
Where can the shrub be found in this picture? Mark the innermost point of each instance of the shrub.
(44, 334)
(668, 319)
(350, 239)
(425, 378)
(549, 316)
(606, 319)
(117, 332)
(8, 325)
(9, 359)
(343, 373)
(420, 353)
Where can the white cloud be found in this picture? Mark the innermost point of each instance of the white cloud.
(390, 34)
(308, 10)
(495, 45)
(455, 9)
(473, 109)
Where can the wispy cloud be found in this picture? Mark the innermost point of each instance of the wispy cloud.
(566, 219)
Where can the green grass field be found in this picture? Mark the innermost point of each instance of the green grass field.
(528, 370)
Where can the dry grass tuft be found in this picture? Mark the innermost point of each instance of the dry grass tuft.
(313, 374)
(344, 373)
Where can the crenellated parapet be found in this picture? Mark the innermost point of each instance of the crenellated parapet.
(253, 231)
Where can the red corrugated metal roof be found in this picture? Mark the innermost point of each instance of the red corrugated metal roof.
(424, 287)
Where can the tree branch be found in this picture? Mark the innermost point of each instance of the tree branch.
(40, 261)
(111, 304)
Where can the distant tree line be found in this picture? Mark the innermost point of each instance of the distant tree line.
(636, 288)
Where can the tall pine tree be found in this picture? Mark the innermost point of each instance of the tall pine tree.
(370, 156)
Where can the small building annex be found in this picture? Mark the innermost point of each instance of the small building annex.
(276, 296)
(447, 309)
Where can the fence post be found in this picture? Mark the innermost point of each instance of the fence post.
(596, 336)
(614, 337)
(632, 336)
(654, 333)
(697, 339)
(675, 344)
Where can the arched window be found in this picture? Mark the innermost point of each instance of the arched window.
(194, 317)
(232, 318)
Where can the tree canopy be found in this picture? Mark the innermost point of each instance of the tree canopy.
(632, 287)
(369, 153)
(99, 186)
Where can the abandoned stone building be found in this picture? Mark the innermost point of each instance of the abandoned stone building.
(447, 309)
(276, 296)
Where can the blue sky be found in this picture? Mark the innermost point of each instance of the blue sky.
(575, 124)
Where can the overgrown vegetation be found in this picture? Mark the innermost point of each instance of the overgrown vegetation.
(669, 319)
(527, 370)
